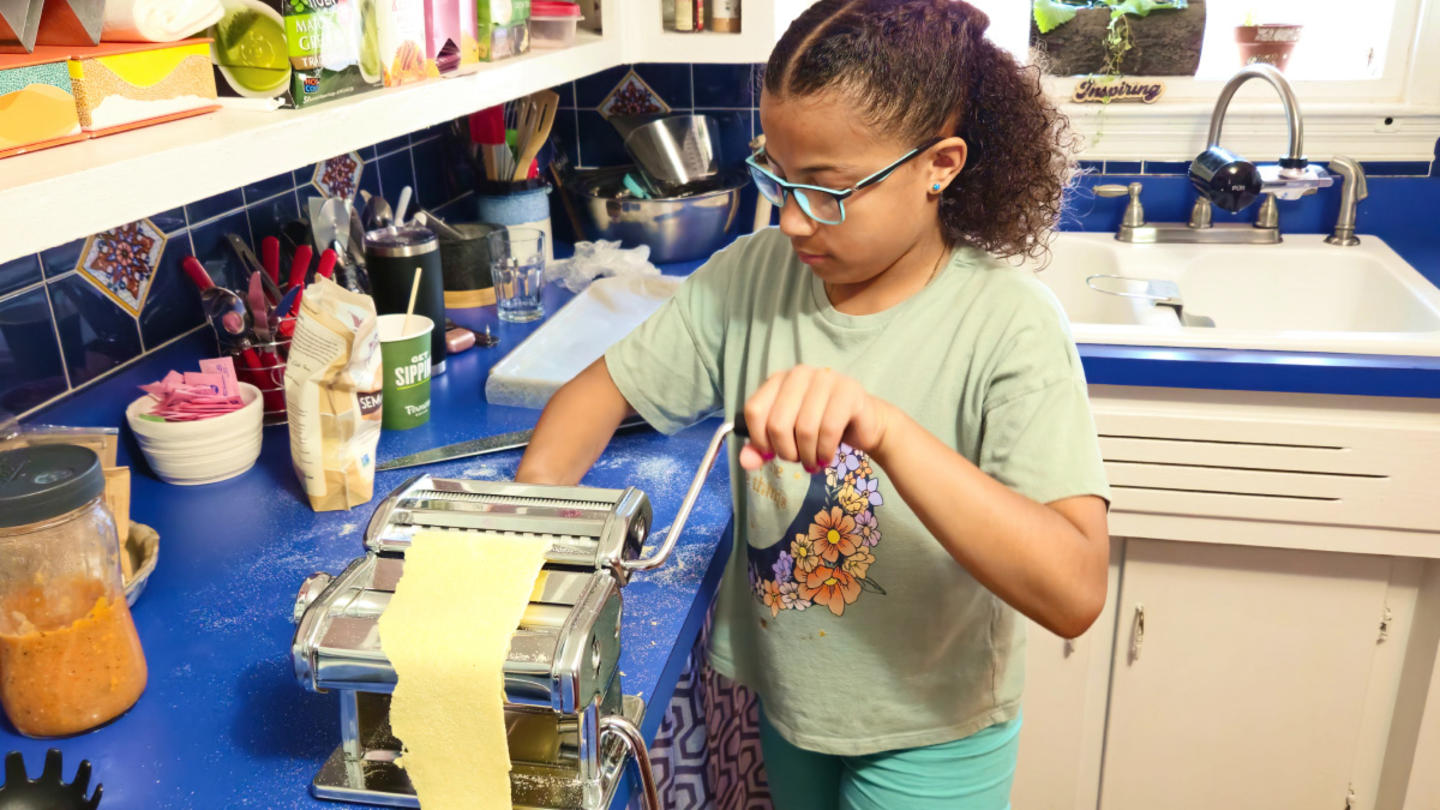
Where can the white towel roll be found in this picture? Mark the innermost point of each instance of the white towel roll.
(158, 20)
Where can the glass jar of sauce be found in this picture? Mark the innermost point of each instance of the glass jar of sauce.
(70, 659)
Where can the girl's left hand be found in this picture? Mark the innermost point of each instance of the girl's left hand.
(803, 414)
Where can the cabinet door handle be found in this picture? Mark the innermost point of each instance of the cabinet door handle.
(1137, 634)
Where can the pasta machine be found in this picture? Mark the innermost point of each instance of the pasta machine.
(571, 730)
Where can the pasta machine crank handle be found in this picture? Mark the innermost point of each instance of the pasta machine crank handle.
(717, 441)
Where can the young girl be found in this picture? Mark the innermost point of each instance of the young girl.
(922, 466)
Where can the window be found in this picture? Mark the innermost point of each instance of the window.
(1340, 41)
(1365, 74)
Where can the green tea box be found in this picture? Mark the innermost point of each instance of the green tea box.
(301, 51)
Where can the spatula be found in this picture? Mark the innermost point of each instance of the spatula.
(548, 101)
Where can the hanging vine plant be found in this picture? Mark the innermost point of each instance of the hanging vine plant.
(1115, 37)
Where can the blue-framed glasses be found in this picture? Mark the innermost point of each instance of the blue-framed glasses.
(824, 205)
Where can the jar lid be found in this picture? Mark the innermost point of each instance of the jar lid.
(46, 481)
(554, 8)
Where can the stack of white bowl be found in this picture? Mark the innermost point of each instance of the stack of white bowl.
(203, 451)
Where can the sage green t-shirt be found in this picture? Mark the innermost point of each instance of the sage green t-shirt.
(858, 630)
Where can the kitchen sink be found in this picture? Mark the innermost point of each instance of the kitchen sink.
(1299, 295)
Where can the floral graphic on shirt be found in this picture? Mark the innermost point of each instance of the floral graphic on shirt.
(828, 559)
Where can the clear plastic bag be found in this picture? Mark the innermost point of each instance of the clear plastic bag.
(594, 260)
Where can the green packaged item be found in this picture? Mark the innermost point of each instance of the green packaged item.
(504, 29)
(302, 51)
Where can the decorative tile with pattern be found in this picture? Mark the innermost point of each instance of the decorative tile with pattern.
(633, 96)
(339, 176)
(122, 262)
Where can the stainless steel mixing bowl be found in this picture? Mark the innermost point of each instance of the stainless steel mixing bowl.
(677, 229)
(675, 151)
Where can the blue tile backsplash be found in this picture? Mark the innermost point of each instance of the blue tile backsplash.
(31, 371)
(725, 92)
(21, 272)
(95, 335)
(71, 315)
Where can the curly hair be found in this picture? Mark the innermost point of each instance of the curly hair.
(920, 68)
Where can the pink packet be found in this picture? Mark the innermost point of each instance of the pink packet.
(225, 367)
(213, 381)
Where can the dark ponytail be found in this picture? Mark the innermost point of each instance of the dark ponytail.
(917, 68)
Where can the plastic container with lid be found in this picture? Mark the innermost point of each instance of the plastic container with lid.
(553, 23)
(70, 658)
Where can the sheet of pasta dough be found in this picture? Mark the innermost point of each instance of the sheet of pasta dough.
(447, 631)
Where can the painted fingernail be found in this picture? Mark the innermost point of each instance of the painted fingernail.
(812, 470)
(767, 456)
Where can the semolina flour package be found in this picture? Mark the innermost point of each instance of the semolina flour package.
(332, 396)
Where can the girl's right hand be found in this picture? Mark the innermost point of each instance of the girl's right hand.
(803, 415)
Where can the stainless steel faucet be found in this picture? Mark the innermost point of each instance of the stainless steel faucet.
(1233, 182)
(1352, 191)
(1225, 179)
(1201, 228)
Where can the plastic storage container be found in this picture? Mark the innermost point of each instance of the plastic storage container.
(70, 659)
(553, 23)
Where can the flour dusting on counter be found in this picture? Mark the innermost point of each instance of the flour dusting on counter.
(487, 471)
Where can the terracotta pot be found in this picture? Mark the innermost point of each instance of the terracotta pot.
(1270, 43)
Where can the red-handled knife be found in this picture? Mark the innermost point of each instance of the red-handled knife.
(196, 271)
(270, 256)
(327, 263)
(299, 267)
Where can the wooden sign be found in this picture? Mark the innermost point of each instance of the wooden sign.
(1092, 91)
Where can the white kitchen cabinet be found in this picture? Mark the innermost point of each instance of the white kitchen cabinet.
(1242, 677)
(1066, 684)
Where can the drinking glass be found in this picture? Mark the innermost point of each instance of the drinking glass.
(517, 266)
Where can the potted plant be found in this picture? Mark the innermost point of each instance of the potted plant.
(1270, 43)
(1113, 37)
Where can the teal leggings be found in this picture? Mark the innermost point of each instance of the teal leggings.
(973, 773)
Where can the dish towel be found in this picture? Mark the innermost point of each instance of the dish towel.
(158, 20)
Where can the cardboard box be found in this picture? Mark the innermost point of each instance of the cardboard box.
(469, 35)
(301, 51)
(124, 85)
(37, 102)
(403, 42)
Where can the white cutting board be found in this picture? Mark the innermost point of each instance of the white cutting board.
(574, 337)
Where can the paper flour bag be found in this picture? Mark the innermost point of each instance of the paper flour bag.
(332, 396)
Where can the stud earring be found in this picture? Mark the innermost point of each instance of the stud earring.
(935, 187)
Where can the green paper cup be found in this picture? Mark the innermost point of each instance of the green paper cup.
(406, 356)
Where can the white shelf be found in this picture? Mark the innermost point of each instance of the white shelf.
(705, 46)
(761, 25)
(53, 196)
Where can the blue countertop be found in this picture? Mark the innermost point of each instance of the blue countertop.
(223, 722)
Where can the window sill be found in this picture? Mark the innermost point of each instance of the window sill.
(1372, 131)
